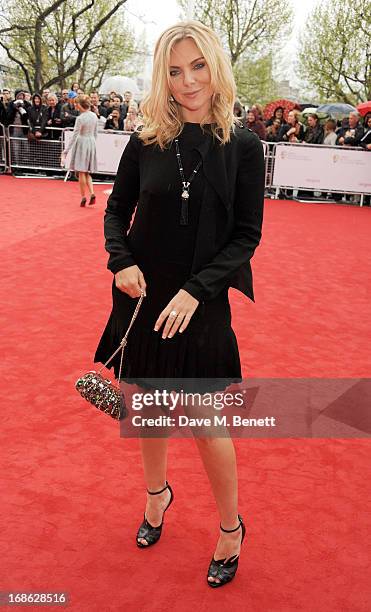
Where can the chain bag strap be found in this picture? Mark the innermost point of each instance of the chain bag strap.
(100, 391)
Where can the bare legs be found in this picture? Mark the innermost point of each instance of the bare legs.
(89, 183)
(82, 183)
(85, 182)
(219, 459)
(154, 459)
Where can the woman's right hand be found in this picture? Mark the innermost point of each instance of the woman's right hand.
(131, 281)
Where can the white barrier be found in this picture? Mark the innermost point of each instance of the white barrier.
(322, 168)
(110, 146)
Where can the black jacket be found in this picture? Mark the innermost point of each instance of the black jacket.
(12, 111)
(2, 113)
(109, 125)
(56, 121)
(68, 115)
(314, 135)
(103, 111)
(230, 219)
(366, 139)
(37, 117)
(282, 137)
(353, 140)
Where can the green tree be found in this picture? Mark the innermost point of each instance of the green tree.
(65, 40)
(254, 79)
(335, 50)
(252, 32)
(246, 26)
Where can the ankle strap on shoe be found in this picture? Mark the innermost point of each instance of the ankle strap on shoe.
(157, 492)
(231, 530)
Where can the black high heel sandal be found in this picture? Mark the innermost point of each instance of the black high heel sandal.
(83, 202)
(146, 531)
(225, 570)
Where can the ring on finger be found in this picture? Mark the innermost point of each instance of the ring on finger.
(173, 314)
(175, 325)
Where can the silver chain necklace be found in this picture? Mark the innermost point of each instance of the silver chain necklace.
(186, 184)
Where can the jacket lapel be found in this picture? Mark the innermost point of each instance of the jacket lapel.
(214, 167)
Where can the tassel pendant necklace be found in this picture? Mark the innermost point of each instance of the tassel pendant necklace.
(185, 193)
(186, 185)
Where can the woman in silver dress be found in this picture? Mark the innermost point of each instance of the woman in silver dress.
(83, 148)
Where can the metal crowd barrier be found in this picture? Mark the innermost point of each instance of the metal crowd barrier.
(295, 182)
(41, 154)
(106, 148)
(44, 154)
(269, 160)
(17, 150)
(3, 140)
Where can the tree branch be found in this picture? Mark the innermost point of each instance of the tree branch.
(81, 50)
(20, 64)
(75, 17)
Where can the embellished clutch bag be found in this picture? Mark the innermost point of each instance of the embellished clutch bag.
(102, 392)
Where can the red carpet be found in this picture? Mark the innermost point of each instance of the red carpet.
(73, 491)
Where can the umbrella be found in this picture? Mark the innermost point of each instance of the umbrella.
(287, 106)
(337, 110)
(305, 105)
(364, 108)
(308, 111)
(119, 84)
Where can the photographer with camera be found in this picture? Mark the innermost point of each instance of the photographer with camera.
(17, 113)
(17, 120)
(114, 121)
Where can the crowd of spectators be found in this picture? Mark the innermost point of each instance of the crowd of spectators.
(36, 115)
(308, 129)
(351, 131)
(39, 115)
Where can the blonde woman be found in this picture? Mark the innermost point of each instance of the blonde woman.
(196, 180)
(83, 147)
(132, 121)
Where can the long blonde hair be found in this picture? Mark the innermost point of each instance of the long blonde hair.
(161, 114)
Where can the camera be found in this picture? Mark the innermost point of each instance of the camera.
(19, 106)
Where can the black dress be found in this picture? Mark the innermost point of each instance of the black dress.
(205, 356)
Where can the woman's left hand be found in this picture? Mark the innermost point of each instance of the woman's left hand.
(183, 305)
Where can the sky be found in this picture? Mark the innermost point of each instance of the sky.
(154, 17)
